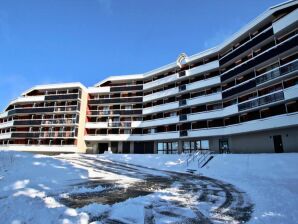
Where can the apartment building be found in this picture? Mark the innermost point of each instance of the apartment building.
(240, 96)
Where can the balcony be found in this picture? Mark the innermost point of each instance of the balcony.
(6, 124)
(204, 99)
(247, 45)
(260, 58)
(239, 88)
(45, 134)
(30, 110)
(203, 83)
(291, 92)
(62, 97)
(126, 88)
(161, 121)
(233, 109)
(26, 122)
(278, 121)
(4, 114)
(28, 99)
(161, 94)
(203, 68)
(117, 124)
(122, 124)
(162, 107)
(285, 21)
(5, 136)
(64, 122)
(278, 72)
(161, 81)
(261, 101)
(114, 112)
(115, 100)
(38, 122)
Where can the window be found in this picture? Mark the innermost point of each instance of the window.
(204, 144)
(167, 147)
(188, 146)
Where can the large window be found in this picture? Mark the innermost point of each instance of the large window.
(167, 148)
(190, 146)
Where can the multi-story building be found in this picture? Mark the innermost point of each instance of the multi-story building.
(240, 96)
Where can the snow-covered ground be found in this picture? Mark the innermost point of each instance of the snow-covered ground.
(271, 180)
(29, 185)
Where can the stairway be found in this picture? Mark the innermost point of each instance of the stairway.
(203, 157)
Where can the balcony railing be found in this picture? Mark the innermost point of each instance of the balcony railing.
(136, 99)
(260, 58)
(119, 124)
(54, 134)
(126, 88)
(62, 97)
(116, 112)
(261, 101)
(277, 72)
(247, 45)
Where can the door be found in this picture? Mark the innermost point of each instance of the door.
(278, 147)
(102, 147)
(224, 146)
(126, 147)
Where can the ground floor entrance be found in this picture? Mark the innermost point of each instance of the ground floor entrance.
(277, 141)
(102, 147)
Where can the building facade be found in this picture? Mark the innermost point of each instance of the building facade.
(241, 96)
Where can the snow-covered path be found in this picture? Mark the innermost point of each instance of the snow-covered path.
(158, 196)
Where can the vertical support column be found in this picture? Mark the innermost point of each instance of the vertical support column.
(109, 147)
(155, 147)
(120, 145)
(131, 147)
(180, 146)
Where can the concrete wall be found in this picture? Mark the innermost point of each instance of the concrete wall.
(260, 142)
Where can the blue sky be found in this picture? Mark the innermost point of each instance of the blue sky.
(50, 41)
